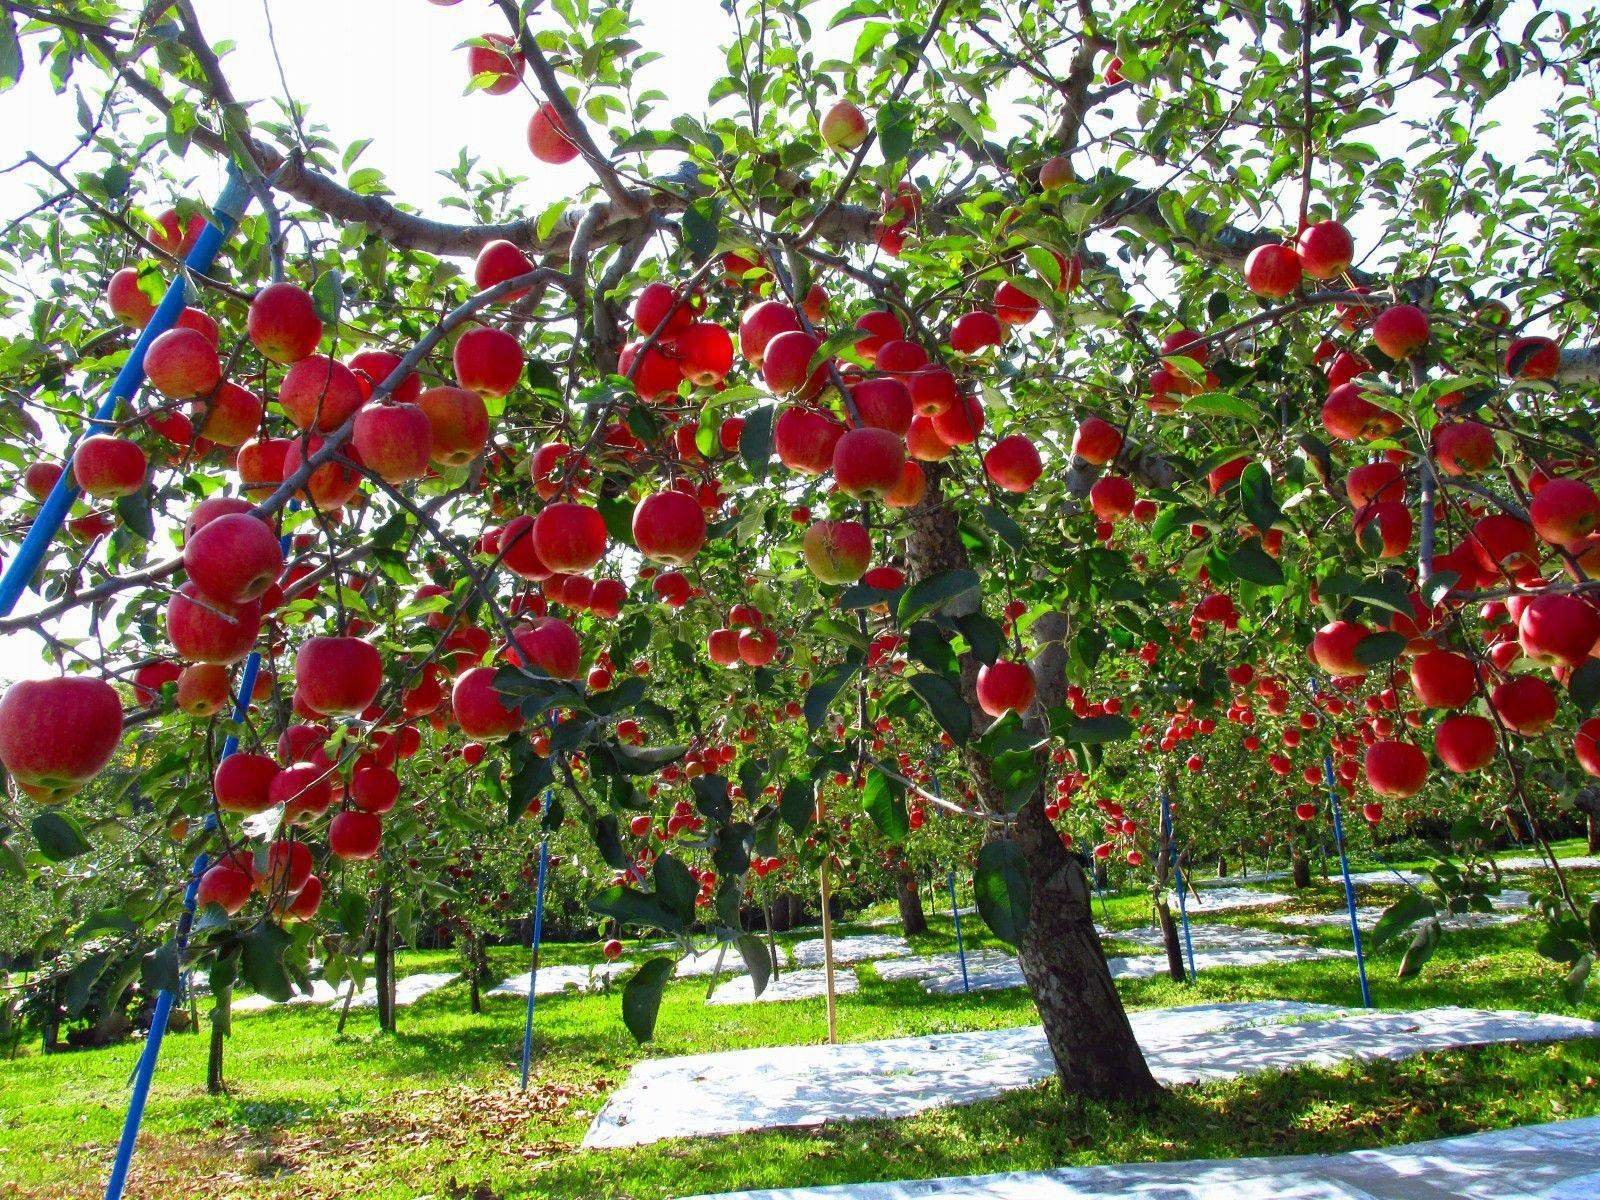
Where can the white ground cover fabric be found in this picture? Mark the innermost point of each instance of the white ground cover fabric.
(1240, 880)
(1221, 898)
(1367, 915)
(862, 947)
(791, 985)
(934, 966)
(1139, 966)
(702, 964)
(555, 980)
(407, 990)
(796, 1086)
(1205, 936)
(802, 1086)
(1532, 862)
(1560, 1161)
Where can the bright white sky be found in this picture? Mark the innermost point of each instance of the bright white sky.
(390, 70)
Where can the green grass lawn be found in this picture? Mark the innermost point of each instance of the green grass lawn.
(435, 1109)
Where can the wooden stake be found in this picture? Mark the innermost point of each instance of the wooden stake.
(827, 935)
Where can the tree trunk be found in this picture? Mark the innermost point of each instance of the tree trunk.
(1169, 939)
(1594, 834)
(383, 966)
(912, 918)
(1300, 869)
(1095, 1052)
(221, 1019)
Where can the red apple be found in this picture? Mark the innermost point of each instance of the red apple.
(234, 558)
(283, 323)
(57, 734)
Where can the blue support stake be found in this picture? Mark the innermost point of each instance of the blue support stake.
(1344, 867)
(47, 523)
(961, 946)
(229, 207)
(1177, 874)
(533, 974)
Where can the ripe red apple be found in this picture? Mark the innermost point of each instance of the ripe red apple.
(569, 537)
(1056, 172)
(548, 138)
(961, 423)
(181, 364)
(902, 358)
(1559, 630)
(332, 485)
(722, 645)
(1587, 745)
(1395, 768)
(1465, 742)
(1325, 249)
(784, 365)
(804, 439)
(1533, 358)
(975, 331)
(488, 361)
(127, 300)
(923, 442)
(1097, 441)
(844, 127)
(481, 712)
(705, 353)
(337, 676)
(106, 467)
(1013, 305)
(1390, 523)
(498, 62)
(1349, 416)
(1013, 463)
(205, 631)
(234, 558)
(1373, 482)
(884, 402)
(1564, 511)
(1333, 648)
(395, 440)
(1272, 270)
(1400, 331)
(458, 425)
(230, 416)
(1443, 679)
(549, 644)
(911, 488)
(1111, 498)
(880, 327)
(260, 463)
(760, 324)
(497, 262)
(1005, 686)
(867, 463)
(304, 790)
(757, 647)
(320, 394)
(242, 783)
(202, 689)
(283, 323)
(1525, 703)
(225, 886)
(837, 551)
(354, 835)
(1463, 447)
(57, 734)
(669, 527)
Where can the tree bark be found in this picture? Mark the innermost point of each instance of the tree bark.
(383, 966)
(1594, 834)
(221, 1018)
(1300, 869)
(912, 919)
(1169, 940)
(1090, 1038)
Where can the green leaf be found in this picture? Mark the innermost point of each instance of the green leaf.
(755, 441)
(699, 226)
(1378, 648)
(327, 296)
(1000, 885)
(897, 130)
(1005, 526)
(262, 961)
(1089, 731)
(1577, 980)
(757, 960)
(944, 700)
(1402, 915)
(608, 841)
(675, 888)
(983, 634)
(884, 800)
(926, 643)
(1253, 563)
(938, 591)
(824, 692)
(134, 510)
(646, 760)
(631, 907)
(711, 797)
(1257, 499)
(1420, 951)
(59, 836)
(10, 52)
(1583, 689)
(641, 998)
(1222, 404)
(158, 970)
(797, 804)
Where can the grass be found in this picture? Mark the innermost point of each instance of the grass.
(434, 1110)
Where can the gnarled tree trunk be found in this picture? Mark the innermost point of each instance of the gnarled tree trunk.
(912, 919)
(1300, 869)
(221, 1018)
(1095, 1052)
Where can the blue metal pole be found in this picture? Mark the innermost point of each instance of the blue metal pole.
(533, 974)
(230, 205)
(1177, 873)
(1344, 867)
(961, 946)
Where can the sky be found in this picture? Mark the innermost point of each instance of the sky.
(390, 70)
